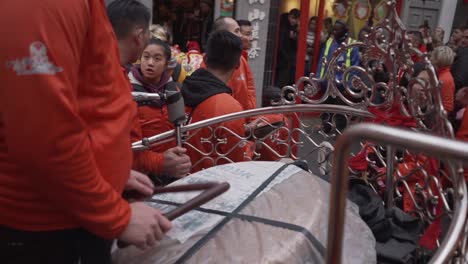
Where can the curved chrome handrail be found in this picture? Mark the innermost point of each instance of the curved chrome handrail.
(302, 108)
(436, 146)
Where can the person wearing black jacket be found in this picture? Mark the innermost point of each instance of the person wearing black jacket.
(459, 67)
(287, 48)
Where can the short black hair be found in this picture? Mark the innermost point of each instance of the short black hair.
(314, 18)
(417, 34)
(244, 23)
(164, 45)
(343, 23)
(459, 27)
(295, 12)
(223, 50)
(270, 93)
(125, 15)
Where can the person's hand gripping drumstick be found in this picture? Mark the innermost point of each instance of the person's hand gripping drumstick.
(147, 224)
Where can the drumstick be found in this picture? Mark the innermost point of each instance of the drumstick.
(211, 191)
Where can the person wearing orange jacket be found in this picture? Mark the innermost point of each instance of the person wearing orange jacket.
(206, 95)
(442, 57)
(65, 115)
(152, 76)
(241, 81)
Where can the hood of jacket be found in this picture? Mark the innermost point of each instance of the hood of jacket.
(200, 86)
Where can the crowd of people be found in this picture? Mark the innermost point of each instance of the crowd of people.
(67, 118)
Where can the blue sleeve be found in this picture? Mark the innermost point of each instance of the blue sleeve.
(320, 61)
(355, 57)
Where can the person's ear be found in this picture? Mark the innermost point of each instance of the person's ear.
(204, 58)
(140, 37)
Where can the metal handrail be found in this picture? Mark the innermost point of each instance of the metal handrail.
(437, 146)
(302, 108)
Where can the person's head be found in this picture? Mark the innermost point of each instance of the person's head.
(158, 31)
(206, 6)
(416, 39)
(130, 21)
(340, 30)
(464, 41)
(228, 24)
(442, 56)
(328, 25)
(223, 51)
(270, 93)
(457, 34)
(155, 59)
(246, 31)
(439, 33)
(293, 17)
(424, 29)
(313, 24)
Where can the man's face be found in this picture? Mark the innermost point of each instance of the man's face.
(415, 40)
(293, 21)
(204, 8)
(247, 37)
(312, 25)
(464, 41)
(339, 31)
(457, 35)
(232, 26)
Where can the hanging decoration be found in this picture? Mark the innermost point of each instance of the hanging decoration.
(362, 10)
(340, 10)
(380, 11)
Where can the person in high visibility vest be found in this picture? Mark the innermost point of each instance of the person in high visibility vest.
(348, 58)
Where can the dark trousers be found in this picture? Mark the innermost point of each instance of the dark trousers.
(71, 246)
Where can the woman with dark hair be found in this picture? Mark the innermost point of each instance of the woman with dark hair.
(152, 76)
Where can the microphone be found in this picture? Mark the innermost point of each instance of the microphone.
(176, 109)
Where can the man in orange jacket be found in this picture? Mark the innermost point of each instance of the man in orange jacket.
(65, 115)
(241, 81)
(205, 92)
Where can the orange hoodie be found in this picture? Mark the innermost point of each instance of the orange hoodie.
(209, 97)
(65, 115)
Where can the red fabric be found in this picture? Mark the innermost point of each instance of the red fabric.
(274, 141)
(447, 91)
(243, 87)
(415, 58)
(245, 55)
(359, 161)
(391, 117)
(193, 46)
(65, 152)
(217, 105)
(151, 121)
